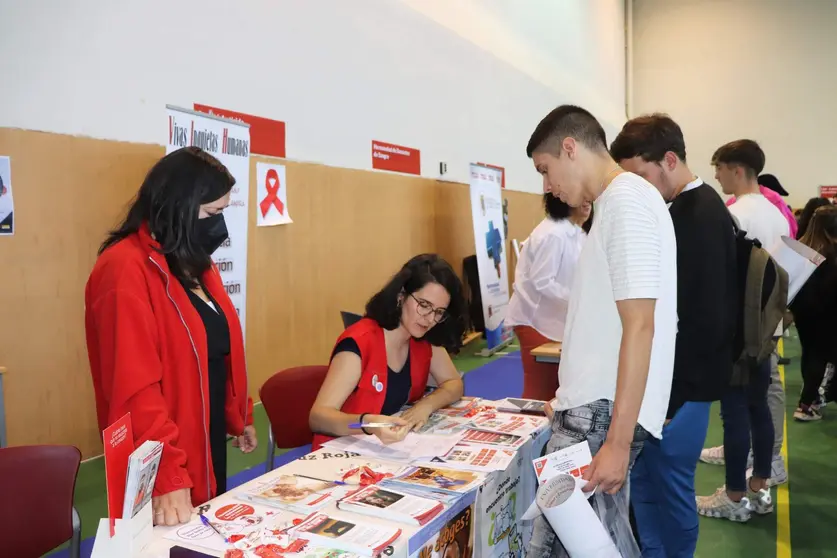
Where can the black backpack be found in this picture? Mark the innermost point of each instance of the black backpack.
(763, 298)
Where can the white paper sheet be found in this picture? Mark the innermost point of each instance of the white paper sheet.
(573, 519)
(798, 260)
(414, 446)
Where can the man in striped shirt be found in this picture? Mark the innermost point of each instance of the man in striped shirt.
(618, 353)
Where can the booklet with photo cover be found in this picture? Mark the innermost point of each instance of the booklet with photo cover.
(293, 493)
(436, 479)
(392, 505)
(364, 539)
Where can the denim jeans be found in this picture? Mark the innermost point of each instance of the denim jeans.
(745, 414)
(590, 422)
(663, 485)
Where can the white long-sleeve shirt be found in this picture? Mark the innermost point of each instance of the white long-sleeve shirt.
(543, 277)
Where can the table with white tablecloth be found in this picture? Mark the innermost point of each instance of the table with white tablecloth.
(483, 523)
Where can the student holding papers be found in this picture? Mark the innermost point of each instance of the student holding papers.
(815, 313)
(618, 354)
(383, 361)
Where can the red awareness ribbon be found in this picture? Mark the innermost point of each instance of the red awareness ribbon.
(271, 183)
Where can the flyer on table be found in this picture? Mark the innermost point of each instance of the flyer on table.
(487, 213)
(229, 142)
(271, 195)
(7, 203)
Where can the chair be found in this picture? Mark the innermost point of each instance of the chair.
(36, 506)
(350, 318)
(287, 397)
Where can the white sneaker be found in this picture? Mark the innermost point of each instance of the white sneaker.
(760, 502)
(720, 506)
(778, 473)
(715, 456)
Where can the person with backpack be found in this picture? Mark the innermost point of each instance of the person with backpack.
(814, 309)
(756, 216)
(663, 478)
(763, 291)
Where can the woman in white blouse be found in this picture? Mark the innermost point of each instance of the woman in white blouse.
(542, 280)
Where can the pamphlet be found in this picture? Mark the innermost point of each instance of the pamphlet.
(436, 478)
(366, 540)
(142, 472)
(474, 457)
(507, 423)
(572, 460)
(294, 493)
(493, 439)
(389, 504)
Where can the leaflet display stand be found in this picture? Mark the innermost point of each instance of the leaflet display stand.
(130, 539)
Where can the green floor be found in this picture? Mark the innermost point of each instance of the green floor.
(812, 452)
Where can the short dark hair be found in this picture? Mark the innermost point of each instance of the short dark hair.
(384, 306)
(650, 137)
(169, 201)
(745, 153)
(563, 122)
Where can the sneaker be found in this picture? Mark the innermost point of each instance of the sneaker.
(715, 456)
(760, 502)
(778, 473)
(720, 506)
(806, 413)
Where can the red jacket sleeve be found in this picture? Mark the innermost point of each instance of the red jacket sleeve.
(131, 372)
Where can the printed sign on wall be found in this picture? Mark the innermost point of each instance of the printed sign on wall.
(229, 142)
(271, 195)
(395, 158)
(828, 192)
(267, 136)
(7, 202)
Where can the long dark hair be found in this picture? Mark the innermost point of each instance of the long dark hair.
(557, 210)
(169, 201)
(385, 309)
(821, 234)
(807, 213)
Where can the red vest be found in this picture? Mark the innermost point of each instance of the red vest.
(369, 337)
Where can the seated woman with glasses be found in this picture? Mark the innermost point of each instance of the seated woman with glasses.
(383, 361)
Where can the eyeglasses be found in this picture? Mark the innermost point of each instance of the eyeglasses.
(425, 309)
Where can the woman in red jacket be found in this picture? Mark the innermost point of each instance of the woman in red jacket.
(383, 361)
(163, 337)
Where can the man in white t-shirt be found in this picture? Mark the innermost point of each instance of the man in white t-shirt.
(744, 409)
(618, 353)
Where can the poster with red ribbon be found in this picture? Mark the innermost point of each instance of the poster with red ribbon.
(271, 195)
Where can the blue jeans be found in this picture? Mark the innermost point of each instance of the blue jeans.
(663, 485)
(589, 422)
(746, 415)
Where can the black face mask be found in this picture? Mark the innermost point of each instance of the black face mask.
(212, 232)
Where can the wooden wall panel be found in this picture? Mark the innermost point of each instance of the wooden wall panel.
(68, 192)
(352, 230)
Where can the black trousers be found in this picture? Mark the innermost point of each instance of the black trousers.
(813, 365)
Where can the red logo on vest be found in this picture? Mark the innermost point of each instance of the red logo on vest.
(272, 185)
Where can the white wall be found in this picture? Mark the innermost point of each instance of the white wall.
(730, 69)
(463, 81)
